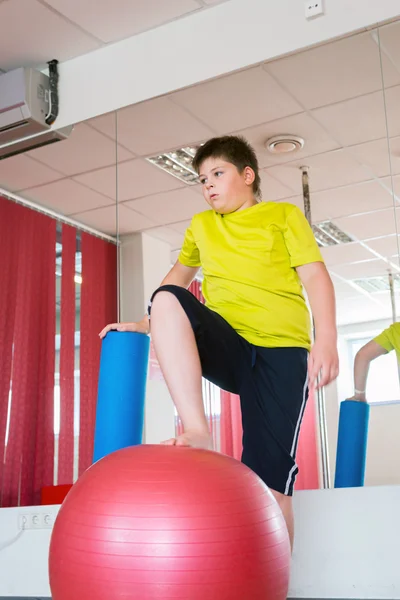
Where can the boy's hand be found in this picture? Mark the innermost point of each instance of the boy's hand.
(140, 327)
(323, 360)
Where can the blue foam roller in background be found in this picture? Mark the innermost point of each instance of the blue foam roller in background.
(121, 392)
(352, 444)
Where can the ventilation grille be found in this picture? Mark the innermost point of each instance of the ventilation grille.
(328, 234)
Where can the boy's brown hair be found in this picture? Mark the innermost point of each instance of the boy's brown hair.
(234, 149)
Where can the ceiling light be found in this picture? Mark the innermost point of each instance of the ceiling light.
(328, 234)
(378, 284)
(178, 163)
(282, 144)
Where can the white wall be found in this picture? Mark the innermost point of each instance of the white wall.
(346, 543)
(145, 261)
(346, 546)
(244, 33)
(23, 563)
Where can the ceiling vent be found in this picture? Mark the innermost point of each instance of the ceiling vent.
(283, 144)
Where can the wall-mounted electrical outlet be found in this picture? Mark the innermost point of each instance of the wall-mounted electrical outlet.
(314, 8)
(38, 520)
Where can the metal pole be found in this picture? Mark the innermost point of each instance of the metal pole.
(394, 314)
(321, 405)
(392, 297)
(117, 222)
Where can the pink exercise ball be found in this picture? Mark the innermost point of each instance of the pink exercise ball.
(165, 522)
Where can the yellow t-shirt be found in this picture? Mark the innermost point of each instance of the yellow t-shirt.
(248, 259)
(389, 339)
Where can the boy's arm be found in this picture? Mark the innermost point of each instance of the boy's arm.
(362, 361)
(180, 275)
(323, 356)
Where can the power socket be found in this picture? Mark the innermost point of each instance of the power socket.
(314, 8)
(39, 520)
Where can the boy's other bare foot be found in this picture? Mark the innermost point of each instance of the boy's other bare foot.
(194, 439)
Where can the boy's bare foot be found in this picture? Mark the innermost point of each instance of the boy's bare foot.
(194, 439)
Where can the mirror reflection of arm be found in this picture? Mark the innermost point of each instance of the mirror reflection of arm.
(362, 361)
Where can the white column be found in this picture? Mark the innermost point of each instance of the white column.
(144, 263)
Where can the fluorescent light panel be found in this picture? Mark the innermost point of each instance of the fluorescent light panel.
(178, 163)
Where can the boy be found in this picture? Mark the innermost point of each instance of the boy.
(385, 342)
(252, 337)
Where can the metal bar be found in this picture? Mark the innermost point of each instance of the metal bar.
(117, 222)
(392, 297)
(321, 404)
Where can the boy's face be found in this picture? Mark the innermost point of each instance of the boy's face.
(224, 188)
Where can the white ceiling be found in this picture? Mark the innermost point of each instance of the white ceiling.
(331, 95)
(64, 29)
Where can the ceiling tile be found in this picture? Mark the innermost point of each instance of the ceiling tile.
(358, 310)
(355, 121)
(85, 150)
(357, 270)
(166, 234)
(41, 35)
(181, 226)
(67, 196)
(272, 189)
(170, 207)
(387, 246)
(316, 139)
(369, 225)
(349, 200)
(392, 103)
(136, 178)
(345, 253)
(375, 156)
(342, 288)
(21, 172)
(390, 44)
(112, 21)
(237, 101)
(326, 74)
(155, 126)
(103, 219)
(329, 170)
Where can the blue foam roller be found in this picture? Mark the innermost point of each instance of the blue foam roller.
(351, 451)
(121, 392)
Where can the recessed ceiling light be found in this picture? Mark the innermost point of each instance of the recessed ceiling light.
(378, 284)
(178, 163)
(328, 234)
(282, 144)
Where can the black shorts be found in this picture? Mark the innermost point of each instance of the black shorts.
(271, 383)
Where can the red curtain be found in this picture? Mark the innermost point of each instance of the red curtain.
(231, 425)
(28, 456)
(98, 307)
(8, 282)
(307, 450)
(67, 356)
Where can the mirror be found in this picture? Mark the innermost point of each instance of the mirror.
(329, 111)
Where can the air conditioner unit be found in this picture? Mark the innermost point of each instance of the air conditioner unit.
(25, 104)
